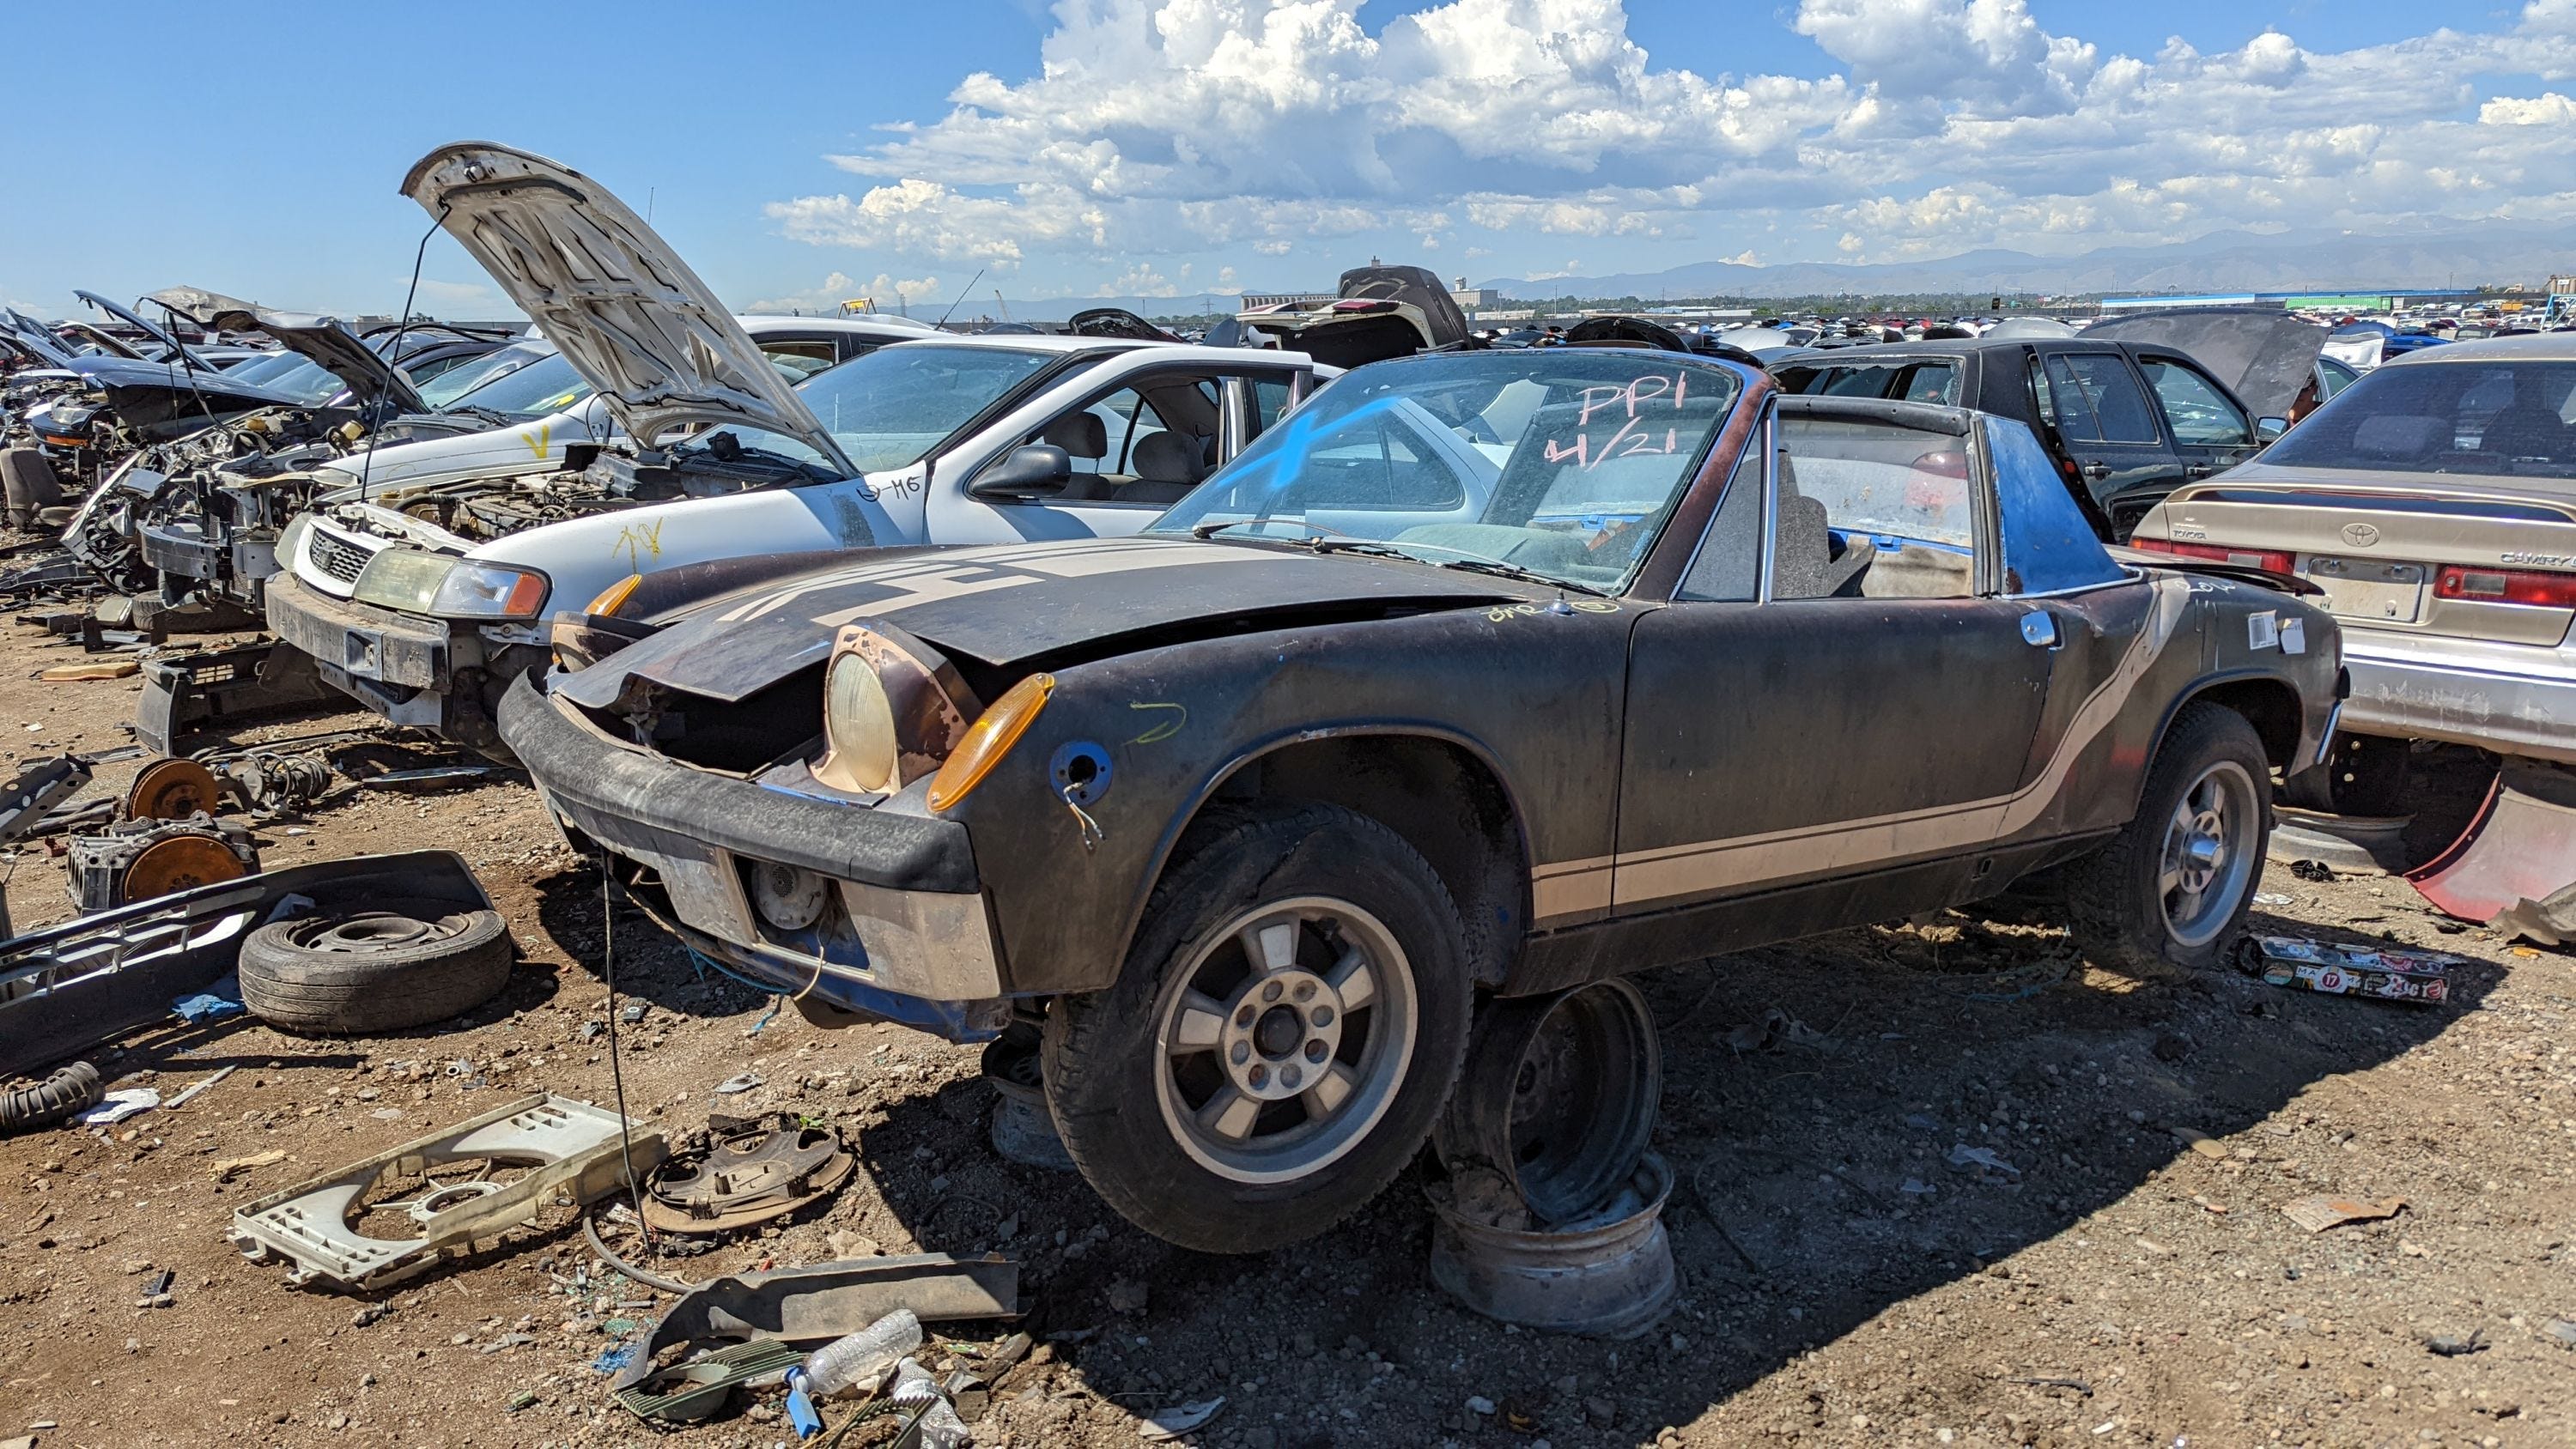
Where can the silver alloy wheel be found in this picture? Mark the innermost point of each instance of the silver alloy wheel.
(1284, 1039)
(2208, 860)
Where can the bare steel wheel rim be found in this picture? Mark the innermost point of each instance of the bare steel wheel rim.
(1284, 1039)
(2208, 859)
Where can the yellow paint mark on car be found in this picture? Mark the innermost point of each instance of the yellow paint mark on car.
(1163, 728)
(636, 540)
(538, 443)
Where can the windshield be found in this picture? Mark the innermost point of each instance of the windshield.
(1560, 462)
(456, 382)
(2496, 418)
(265, 366)
(308, 382)
(890, 408)
(546, 386)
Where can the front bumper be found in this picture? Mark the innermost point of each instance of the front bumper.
(2464, 692)
(398, 665)
(920, 948)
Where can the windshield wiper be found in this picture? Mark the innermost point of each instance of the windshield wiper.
(1465, 562)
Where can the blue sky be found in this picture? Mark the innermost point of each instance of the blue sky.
(254, 148)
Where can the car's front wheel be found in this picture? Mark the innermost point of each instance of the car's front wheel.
(1290, 1020)
(2172, 888)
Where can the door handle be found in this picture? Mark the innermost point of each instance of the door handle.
(2039, 629)
(2199, 470)
(2097, 471)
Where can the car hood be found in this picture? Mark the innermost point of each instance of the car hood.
(628, 313)
(325, 340)
(37, 337)
(2263, 357)
(172, 345)
(1013, 603)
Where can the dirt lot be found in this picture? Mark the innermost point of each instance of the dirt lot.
(1841, 1284)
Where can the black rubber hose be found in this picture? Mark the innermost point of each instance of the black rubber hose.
(644, 1276)
(75, 1088)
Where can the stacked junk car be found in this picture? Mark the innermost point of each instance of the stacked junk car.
(1344, 774)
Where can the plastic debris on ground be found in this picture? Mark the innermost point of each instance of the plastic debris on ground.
(212, 1004)
(119, 1105)
(2386, 973)
(2324, 1211)
(1980, 1160)
(1172, 1423)
(735, 1086)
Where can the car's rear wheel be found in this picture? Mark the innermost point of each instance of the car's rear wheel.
(1290, 1021)
(2172, 888)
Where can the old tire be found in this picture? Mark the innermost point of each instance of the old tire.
(387, 967)
(1289, 1022)
(2172, 888)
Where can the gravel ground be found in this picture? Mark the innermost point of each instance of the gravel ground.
(2129, 1280)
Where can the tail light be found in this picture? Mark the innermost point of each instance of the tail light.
(2506, 586)
(2276, 560)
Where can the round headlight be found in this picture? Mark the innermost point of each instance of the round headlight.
(858, 727)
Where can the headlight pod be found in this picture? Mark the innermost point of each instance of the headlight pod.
(449, 588)
(893, 709)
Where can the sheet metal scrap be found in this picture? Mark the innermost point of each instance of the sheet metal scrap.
(2387, 973)
(817, 1304)
(572, 1149)
(748, 1175)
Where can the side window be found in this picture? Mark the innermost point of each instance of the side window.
(2093, 399)
(2197, 410)
(1269, 400)
(1728, 567)
(1873, 510)
(798, 358)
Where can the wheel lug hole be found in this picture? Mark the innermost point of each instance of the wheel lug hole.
(1305, 991)
(1260, 1074)
(1242, 1052)
(1289, 1076)
(1270, 992)
(1315, 1052)
(1322, 1016)
(1243, 1016)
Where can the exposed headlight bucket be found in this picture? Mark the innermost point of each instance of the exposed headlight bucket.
(892, 709)
(990, 738)
(290, 539)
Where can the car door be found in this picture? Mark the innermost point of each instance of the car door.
(2210, 430)
(1127, 413)
(1777, 742)
(2098, 406)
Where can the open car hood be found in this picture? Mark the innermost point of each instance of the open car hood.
(2264, 357)
(36, 337)
(325, 340)
(1013, 603)
(628, 313)
(177, 349)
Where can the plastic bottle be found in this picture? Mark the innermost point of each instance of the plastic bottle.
(862, 1357)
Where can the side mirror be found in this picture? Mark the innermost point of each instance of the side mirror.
(2269, 428)
(1034, 470)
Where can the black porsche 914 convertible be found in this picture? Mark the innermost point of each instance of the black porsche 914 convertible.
(1488, 672)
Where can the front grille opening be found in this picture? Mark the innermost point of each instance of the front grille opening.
(744, 736)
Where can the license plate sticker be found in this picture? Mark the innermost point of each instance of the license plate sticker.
(2370, 589)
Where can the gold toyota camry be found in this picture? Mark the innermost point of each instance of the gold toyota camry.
(2434, 503)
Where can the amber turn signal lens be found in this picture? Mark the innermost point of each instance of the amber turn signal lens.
(989, 738)
(614, 597)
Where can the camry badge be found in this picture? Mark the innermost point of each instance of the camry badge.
(2360, 535)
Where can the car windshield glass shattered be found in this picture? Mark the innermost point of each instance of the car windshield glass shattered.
(547, 386)
(1562, 464)
(890, 408)
(444, 389)
(2500, 418)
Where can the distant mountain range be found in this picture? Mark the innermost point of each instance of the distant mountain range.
(2226, 261)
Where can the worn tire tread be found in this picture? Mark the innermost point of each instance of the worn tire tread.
(2103, 910)
(1076, 1048)
(339, 994)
